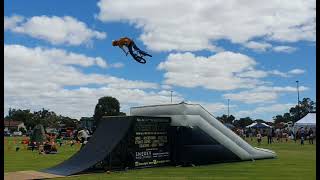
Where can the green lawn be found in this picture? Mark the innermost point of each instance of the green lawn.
(294, 162)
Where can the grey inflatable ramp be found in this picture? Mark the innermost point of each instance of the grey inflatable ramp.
(194, 115)
(103, 141)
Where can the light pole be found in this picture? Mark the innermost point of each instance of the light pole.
(298, 99)
(228, 107)
(171, 96)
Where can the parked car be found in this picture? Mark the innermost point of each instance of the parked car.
(17, 133)
(7, 133)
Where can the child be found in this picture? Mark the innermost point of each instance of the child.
(259, 138)
(59, 141)
(33, 145)
(41, 149)
(287, 137)
(17, 147)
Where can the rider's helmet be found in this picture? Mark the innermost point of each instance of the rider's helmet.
(114, 43)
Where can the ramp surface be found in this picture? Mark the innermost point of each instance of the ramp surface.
(194, 115)
(103, 141)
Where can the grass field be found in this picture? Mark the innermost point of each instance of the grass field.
(294, 162)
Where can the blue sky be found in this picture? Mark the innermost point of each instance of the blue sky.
(58, 55)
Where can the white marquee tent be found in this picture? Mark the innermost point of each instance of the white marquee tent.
(258, 125)
(309, 120)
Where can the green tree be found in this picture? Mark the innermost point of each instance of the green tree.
(259, 121)
(278, 118)
(225, 119)
(243, 122)
(46, 118)
(287, 117)
(107, 106)
(306, 106)
(69, 122)
(13, 129)
(297, 112)
(23, 130)
(21, 115)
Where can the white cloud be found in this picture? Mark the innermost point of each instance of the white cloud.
(258, 46)
(11, 22)
(252, 96)
(216, 109)
(270, 110)
(38, 77)
(40, 65)
(262, 74)
(281, 89)
(262, 94)
(286, 49)
(286, 74)
(57, 56)
(165, 86)
(81, 102)
(263, 46)
(222, 71)
(195, 25)
(117, 65)
(278, 73)
(56, 30)
(296, 71)
(253, 74)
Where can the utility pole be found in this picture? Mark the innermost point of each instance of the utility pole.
(171, 96)
(298, 100)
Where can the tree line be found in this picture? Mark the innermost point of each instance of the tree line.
(294, 114)
(106, 106)
(44, 116)
(110, 106)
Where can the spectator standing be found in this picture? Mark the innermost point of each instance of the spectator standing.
(242, 134)
(250, 133)
(280, 134)
(273, 134)
(285, 134)
(310, 133)
(277, 132)
(270, 135)
(297, 134)
(302, 136)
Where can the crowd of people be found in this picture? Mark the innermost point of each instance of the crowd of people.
(277, 134)
(51, 142)
(273, 134)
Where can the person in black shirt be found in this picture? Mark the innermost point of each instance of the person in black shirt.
(310, 134)
(270, 135)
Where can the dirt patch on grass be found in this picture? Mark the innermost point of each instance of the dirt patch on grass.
(25, 175)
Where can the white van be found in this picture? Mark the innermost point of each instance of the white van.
(17, 133)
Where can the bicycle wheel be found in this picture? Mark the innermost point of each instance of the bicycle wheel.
(140, 59)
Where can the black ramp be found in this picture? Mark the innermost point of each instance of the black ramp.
(105, 138)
